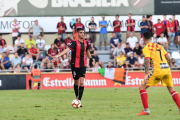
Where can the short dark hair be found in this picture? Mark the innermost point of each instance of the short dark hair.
(62, 16)
(158, 19)
(127, 43)
(173, 15)
(92, 17)
(147, 36)
(35, 66)
(137, 42)
(164, 15)
(79, 29)
(170, 19)
(148, 16)
(129, 14)
(179, 34)
(117, 15)
(162, 32)
(4, 52)
(59, 33)
(40, 34)
(143, 16)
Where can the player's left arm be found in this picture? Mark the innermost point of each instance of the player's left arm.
(146, 63)
(88, 54)
(168, 60)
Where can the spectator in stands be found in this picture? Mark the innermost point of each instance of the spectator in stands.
(27, 62)
(141, 60)
(17, 69)
(92, 30)
(117, 50)
(120, 59)
(16, 60)
(58, 41)
(171, 31)
(127, 49)
(40, 43)
(29, 42)
(154, 38)
(141, 42)
(144, 26)
(64, 60)
(49, 67)
(52, 52)
(67, 66)
(109, 65)
(137, 49)
(174, 64)
(176, 22)
(130, 23)
(5, 61)
(165, 22)
(62, 47)
(68, 40)
(96, 67)
(130, 61)
(34, 52)
(90, 44)
(159, 28)
(150, 24)
(22, 51)
(103, 32)
(95, 59)
(15, 30)
(117, 27)
(36, 29)
(61, 27)
(45, 61)
(179, 39)
(3, 46)
(76, 25)
(163, 41)
(18, 42)
(132, 40)
(114, 41)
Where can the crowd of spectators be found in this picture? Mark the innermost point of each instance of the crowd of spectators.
(125, 53)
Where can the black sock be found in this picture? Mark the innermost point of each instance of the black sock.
(76, 90)
(30, 82)
(81, 89)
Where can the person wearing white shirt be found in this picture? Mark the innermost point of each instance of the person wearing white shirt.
(40, 43)
(154, 38)
(15, 30)
(163, 41)
(132, 40)
(27, 62)
(18, 42)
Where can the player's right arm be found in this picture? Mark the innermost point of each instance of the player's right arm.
(168, 58)
(62, 53)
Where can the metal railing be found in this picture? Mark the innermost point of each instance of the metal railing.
(88, 69)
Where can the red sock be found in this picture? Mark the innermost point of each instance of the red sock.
(176, 98)
(144, 98)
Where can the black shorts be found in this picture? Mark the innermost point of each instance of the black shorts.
(78, 72)
(166, 34)
(14, 39)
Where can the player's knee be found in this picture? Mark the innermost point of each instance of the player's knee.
(76, 82)
(81, 83)
(141, 87)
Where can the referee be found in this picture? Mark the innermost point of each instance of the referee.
(80, 49)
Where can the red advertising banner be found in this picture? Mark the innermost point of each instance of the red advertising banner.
(92, 80)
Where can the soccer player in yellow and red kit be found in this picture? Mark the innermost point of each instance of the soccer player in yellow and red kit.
(161, 72)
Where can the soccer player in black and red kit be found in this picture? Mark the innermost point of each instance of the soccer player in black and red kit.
(80, 50)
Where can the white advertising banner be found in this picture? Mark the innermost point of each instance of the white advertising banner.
(49, 24)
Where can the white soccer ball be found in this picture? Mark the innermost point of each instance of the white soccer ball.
(76, 103)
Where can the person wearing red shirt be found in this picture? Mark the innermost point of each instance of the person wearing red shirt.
(77, 25)
(130, 23)
(62, 47)
(176, 22)
(165, 22)
(117, 27)
(171, 31)
(68, 40)
(34, 52)
(159, 28)
(61, 27)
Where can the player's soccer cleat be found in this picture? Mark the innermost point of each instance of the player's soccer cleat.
(143, 113)
(80, 104)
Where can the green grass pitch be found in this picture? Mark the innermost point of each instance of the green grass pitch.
(98, 104)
